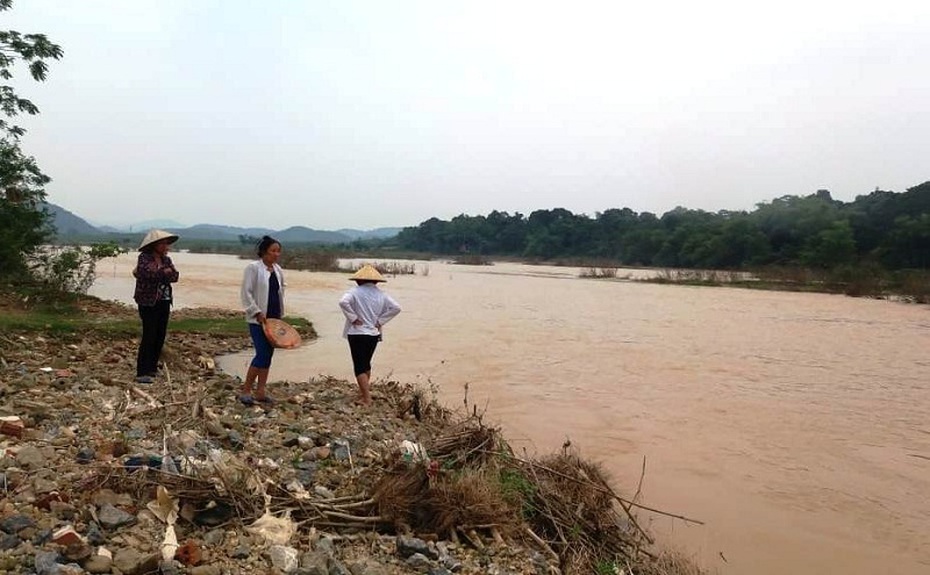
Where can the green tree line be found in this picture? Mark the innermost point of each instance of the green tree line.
(815, 231)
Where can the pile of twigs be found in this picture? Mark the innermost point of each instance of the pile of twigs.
(472, 484)
(577, 515)
(465, 484)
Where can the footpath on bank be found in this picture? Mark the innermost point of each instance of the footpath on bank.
(102, 475)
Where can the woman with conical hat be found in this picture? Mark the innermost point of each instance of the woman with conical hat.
(366, 309)
(154, 273)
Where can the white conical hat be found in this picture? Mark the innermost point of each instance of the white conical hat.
(369, 273)
(156, 236)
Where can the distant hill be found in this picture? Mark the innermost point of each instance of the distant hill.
(218, 232)
(70, 225)
(139, 227)
(300, 234)
(67, 224)
(378, 233)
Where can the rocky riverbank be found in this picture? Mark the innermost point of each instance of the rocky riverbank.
(101, 475)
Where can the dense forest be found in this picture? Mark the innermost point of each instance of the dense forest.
(887, 229)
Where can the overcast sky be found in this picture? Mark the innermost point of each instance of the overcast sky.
(386, 113)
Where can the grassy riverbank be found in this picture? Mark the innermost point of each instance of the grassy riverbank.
(72, 315)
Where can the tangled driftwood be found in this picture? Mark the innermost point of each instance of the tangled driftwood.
(465, 485)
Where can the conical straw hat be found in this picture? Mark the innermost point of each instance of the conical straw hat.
(281, 334)
(155, 236)
(369, 273)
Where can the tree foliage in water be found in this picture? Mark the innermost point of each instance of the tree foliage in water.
(885, 229)
(24, 222)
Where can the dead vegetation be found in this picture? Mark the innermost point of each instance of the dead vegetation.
(464, 485)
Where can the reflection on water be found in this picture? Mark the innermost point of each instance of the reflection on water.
(789, 423)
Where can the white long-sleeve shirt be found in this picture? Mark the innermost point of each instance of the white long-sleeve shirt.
(254, 290)
(369, 304)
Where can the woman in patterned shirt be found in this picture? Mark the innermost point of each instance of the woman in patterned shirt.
(154, 275)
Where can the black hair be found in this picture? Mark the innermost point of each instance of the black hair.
(265, 243)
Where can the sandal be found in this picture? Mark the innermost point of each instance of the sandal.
(267, 399)
(246, 399)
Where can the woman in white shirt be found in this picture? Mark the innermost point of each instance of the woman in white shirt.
(262, 296)
(367, 309)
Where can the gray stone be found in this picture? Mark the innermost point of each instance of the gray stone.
(30, 457)
(9, 541)
(366, 567)
(305, 476)
(340, 449)
(214, 537)
(289, 440)
(169, 567)
(451, 563)
(235, 439)
(46, 563)
(76, 551)
(62, 510)
(42, 485)
(419, 563)
(283, 558)
(241, 552)
(407, 546)
(131, 562)
(111, 517)
(336, 567)
(439, 571)
(326, 545)
(16, 523)
(39, 538)
(539, 563)
(94, 535)
(85, 455)
(314, 563)
(205, 570)
(323, 492)
(98, 564)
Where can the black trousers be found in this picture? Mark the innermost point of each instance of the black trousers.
(154, 330)
(362, 348)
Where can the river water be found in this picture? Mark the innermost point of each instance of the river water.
(795, 426)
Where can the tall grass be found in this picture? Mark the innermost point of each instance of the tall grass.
(599, 272)
(390, 268)
(309, 260)
(698, 277)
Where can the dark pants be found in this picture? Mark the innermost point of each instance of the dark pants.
(154, 329)
(263, 348)
(362, 348)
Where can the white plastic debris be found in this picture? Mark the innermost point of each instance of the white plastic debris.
(169, 545)
(412, 451)
(164, 506)
(275, 530)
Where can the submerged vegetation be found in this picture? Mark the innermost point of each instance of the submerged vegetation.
(908, 285)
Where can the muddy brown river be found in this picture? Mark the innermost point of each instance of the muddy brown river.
(795, 426)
